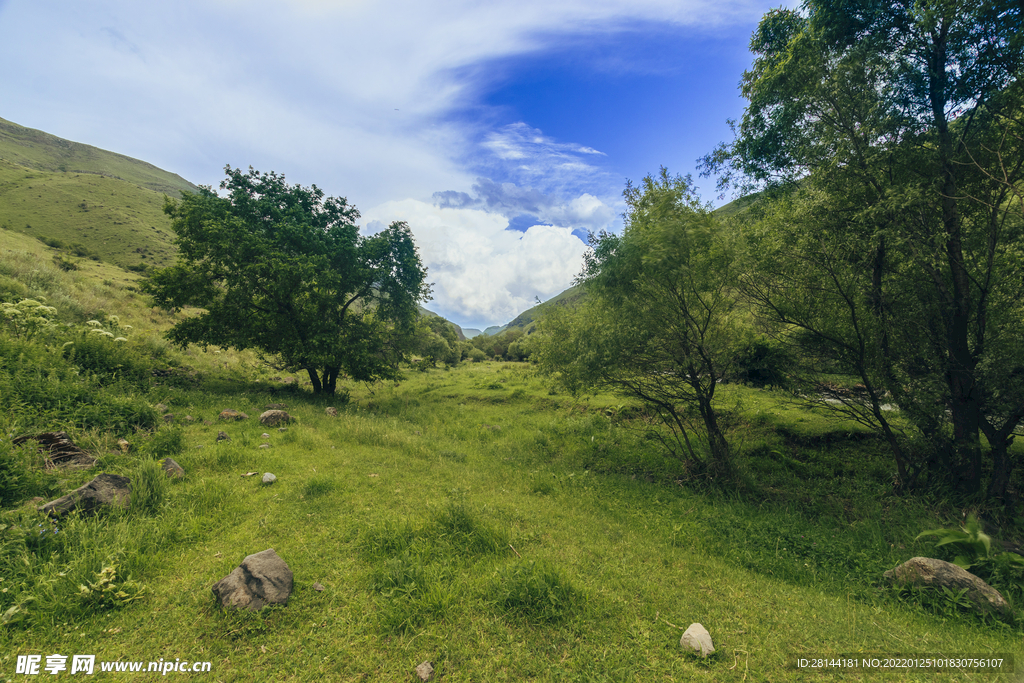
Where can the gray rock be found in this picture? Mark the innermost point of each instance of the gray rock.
(425, 671)
(169, 417)
(269, 478)
(273, 418)
(318, 587)
(231, 414)
(262, 579)
(332, 412)
(932, 573)
(697, 639)
(106, 490)
(265, 435)
(172, 468)
(161, 408)
(264, 445)
(223, 436)
(124, 445)
(282, 429)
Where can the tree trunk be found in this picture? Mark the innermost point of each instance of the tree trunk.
(315, 379)
(331, 379)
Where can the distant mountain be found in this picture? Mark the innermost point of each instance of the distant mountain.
(470, 332)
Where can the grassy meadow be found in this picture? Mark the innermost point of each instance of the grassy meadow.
(476, 517)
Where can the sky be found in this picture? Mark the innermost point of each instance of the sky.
(502, 132)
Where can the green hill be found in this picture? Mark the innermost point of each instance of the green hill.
(41, 151)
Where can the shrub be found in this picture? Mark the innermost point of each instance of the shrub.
(477, 356)
(762, 362)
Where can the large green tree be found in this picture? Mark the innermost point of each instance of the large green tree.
(657, 322)
(882, 133)
(282, 269)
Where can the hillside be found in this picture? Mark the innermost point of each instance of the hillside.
(41, 151)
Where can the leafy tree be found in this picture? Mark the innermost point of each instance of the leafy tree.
(282, 269)
(656, 324)
(437, 342)
(878, 131)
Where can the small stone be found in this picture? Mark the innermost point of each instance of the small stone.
(425, 671)
(123, 445)
(697, 639)
(169, 417)
(189, 418)
(231, 414)
(250, 474)
(265, 435)
(318, 587)
(332, 412)
(282, 429)
(207, 423)
(269, 478)
(223, 436)
(161, 408)
(173, 469)
(264, 445)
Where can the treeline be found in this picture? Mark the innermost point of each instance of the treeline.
(437, 342)
(879, 267)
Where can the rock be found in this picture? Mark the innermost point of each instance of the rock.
(265, 435)
(207, 423)
(269, 478)
(231, 414)
(697, 639)
(425, 671)
(264, 445)
(262, 579)
(161, 408)
(318, 587)
(223, 436)
(172, 468)
(106, 490)
(282, 429)
(189, 418)
(273, 418)
(932, 573)
(123, 445)
(59, 450)
(332, 412)
(169, 417)
(250, 474)
(275, 406)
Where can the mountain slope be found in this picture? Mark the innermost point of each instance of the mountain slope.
(41, 151)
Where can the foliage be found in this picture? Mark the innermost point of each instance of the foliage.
(28, 317)
(886, 140)
(969, 542)
(656, 324)
(761, 361)
(282, 269)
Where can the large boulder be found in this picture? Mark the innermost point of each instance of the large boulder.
(932, 573)
(272, 418)
(262, 579)
(105, 490)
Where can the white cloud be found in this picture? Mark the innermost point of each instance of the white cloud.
(484, 274)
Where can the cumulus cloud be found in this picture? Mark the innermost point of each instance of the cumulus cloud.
(484, 274)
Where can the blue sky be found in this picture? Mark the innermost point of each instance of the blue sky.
(502, 132)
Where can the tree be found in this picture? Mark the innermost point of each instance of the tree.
(282, 269)
(656, 324)
(888, 245)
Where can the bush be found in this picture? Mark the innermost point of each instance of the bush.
(763, 362)
(477, 356)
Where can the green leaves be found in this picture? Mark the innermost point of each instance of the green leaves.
(970, 543)
(283, 269)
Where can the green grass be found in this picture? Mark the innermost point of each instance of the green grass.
(501, 538)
